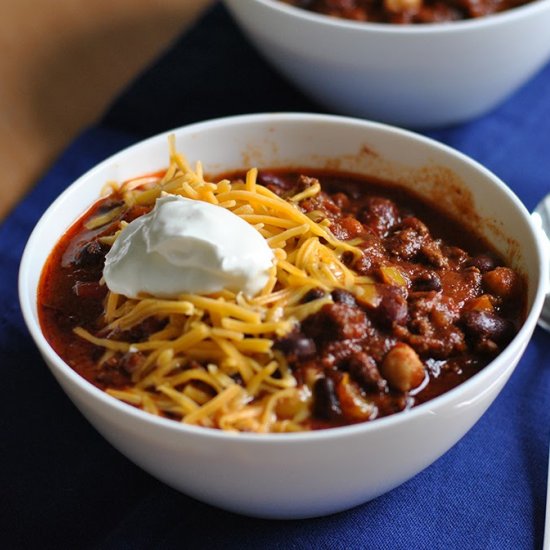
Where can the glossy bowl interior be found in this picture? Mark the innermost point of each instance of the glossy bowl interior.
(415, 76)
(316, 473)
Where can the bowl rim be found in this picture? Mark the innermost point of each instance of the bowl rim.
(532, 8)
(501, 363)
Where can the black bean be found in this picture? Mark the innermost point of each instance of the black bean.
(341, 296)
(275, 183)
(484, 325)
(347, 258)
(326, 404)
(426, 281)
(90, 255)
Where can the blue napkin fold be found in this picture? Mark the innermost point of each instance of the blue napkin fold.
(63, 486)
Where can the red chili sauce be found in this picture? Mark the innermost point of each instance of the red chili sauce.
(406, 11)
(459, 308)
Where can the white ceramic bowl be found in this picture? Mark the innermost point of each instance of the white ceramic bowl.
(410, 75)
(304, 474)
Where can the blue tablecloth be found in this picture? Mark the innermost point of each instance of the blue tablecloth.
(63, 486)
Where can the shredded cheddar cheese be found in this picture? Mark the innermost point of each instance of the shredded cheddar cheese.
(213, 363)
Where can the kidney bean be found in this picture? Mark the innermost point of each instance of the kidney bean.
(347, 227)
(484, 262)
(341, 200)
(484, 324)
(392, 308)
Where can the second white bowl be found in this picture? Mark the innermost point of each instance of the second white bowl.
(411, 75)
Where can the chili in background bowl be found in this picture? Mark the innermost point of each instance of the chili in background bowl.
(309, 473)
(414, 75)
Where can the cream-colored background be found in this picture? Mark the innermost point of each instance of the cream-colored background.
(62, 62)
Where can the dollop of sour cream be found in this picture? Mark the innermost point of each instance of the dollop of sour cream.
(187, 246)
